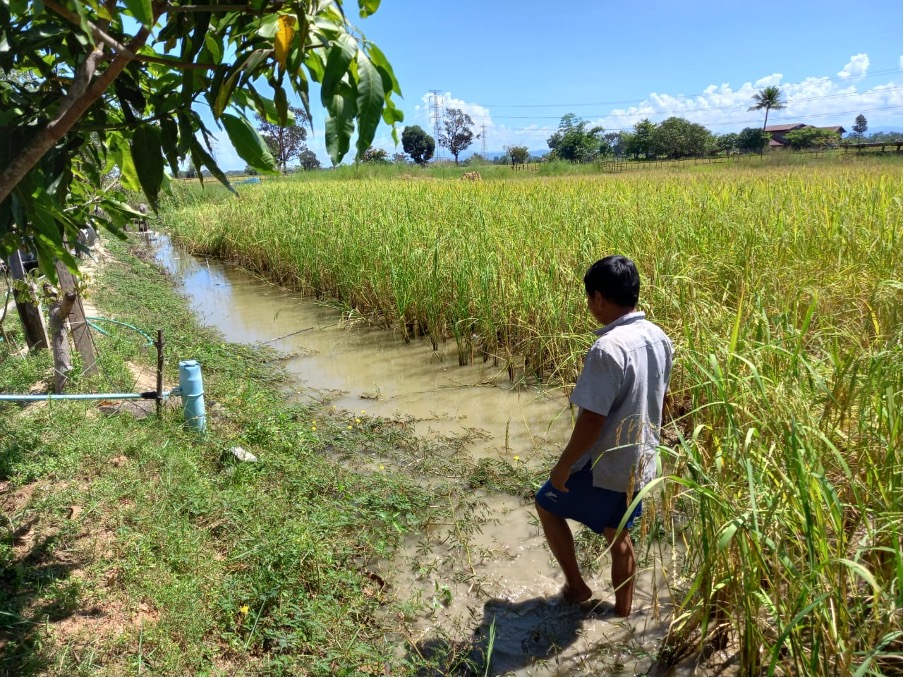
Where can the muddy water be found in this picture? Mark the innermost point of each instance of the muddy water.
(504, 578)
(372, 369)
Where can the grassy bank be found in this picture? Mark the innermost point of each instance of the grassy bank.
(782, 289)
(133, 546)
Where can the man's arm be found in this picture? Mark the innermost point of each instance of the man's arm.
(586, 431)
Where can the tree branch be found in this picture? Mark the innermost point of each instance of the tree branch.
(44, 140)
(186, 65)
(245, 9)
(96, 31)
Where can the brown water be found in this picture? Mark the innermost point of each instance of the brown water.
(501, 574)
(372, 369)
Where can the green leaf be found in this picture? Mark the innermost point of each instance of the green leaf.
(141, 10)
(282, 106)
(169, 137)
(199, 153)
(391, 114)
(214, 47)
(727, 533)
(148, 159)
(382, 63)
(249, 144)
(337, 62)
(368, 7)
(128, 175)
(269, 26)
(338, 136)
(244, 69)
(369, 100)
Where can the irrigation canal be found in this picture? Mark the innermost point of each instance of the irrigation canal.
(358, 367)
(372, 369)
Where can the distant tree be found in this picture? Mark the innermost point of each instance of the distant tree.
(284, 139)
(478, 159)
(457, 134)
(886, 137)
(250, 171)
(518, 155)
(399, 159)
(752, 140)
(190, 173)
(812, 137)
(679, 138)
(727, 143)
(308, 159)
(615, 142)
(419, 145)
(638, 142)
(860, 126)
(574, 142)
(769, 99)
(375, 156)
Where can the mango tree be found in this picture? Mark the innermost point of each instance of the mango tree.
(102, 96)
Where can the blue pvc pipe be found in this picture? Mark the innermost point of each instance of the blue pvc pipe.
(191, 387)
(12, 398)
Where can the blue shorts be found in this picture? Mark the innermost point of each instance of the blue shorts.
(595, 507)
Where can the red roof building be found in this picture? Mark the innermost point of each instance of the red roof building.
(777, 132)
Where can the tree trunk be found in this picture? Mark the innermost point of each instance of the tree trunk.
(78, 324)
(62, 358)
(29, 311)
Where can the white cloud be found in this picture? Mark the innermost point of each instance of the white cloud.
(856, 67)
(814, 100)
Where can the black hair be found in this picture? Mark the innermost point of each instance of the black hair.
(616, 278)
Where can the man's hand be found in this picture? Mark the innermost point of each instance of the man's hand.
(587, 429)
(559, 476)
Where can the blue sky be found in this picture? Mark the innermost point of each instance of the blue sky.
(518, 67)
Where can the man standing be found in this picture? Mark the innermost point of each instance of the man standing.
(612, 451)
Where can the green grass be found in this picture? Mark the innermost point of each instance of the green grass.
(781, 286)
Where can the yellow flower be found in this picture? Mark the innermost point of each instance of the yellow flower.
(363, 411)
(313, 428)
(382, 467)
(357, 421)
(517, 458)
(244, 609)
(349, 427)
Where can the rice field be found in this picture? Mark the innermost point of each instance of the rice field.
(782, 290)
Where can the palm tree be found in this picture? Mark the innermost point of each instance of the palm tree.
(768, 98)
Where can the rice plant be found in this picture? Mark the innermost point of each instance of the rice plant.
(781, 287)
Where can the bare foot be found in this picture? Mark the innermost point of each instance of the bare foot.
(577, 594)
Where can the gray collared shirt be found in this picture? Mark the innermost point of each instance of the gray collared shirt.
(625, 377)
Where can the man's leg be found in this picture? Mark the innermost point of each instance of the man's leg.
(561, 543)
(624, 567)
